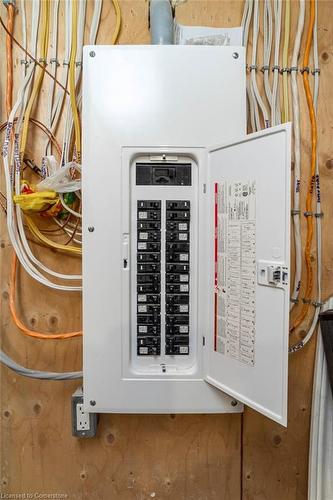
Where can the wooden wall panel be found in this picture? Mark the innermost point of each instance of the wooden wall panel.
(276, 459)
(183, 457)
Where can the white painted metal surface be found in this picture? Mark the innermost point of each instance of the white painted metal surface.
(155, 98)
(320, 484)
(143, 102)
(257, 378)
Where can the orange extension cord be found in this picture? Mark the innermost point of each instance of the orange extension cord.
(18, 322)
(309, 196)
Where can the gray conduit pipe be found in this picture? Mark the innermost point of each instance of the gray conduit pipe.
(161, 22)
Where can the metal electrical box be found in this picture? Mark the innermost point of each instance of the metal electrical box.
(186, 244)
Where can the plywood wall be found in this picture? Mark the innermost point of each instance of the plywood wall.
(178, 457)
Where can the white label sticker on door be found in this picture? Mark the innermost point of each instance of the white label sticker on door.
(235, 269)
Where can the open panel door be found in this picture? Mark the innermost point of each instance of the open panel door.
(246, 348)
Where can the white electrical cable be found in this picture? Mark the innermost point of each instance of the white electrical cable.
(15, 225)
(244, 23)
(69, 121)
(314, 322)
(54, 66)
(252, 104)
(297, 155)
(41, 375)
(60, 96)
(69, 117)
(277, 9)
(253, 68)
(21, 231)
(33, 50)
(267, 46)
(95, 21)
(317, 185)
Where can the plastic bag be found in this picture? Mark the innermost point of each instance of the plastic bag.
(60, 179)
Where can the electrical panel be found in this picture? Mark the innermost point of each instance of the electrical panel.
(184, 310)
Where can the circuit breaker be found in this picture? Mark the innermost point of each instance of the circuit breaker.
(163, 261)
(186, 236)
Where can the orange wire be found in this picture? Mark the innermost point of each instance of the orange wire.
(12, 282)
(309, 196)
(18, 322)
(9, 53)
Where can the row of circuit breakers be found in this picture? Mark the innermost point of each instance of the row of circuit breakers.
(174, 216)
(177, 270)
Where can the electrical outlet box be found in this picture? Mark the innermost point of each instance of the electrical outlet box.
(82, 418)
(84, 424)
(175, 319)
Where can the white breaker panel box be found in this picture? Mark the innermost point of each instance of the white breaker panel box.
(186, 246)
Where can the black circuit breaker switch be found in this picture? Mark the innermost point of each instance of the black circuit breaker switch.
(84, 424)
(148, 277)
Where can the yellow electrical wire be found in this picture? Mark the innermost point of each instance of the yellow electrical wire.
(285, 110)
(311, 183)
(72, 89)
(37, 233)
(116, 32)
(45, 13)
(9, 55)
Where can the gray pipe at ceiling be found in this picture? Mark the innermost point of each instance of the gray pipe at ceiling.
(161, 22)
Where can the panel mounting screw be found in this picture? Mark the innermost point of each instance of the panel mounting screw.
(92, 403)
(233, 402)
(92, 53)
(91, 229)
(235, 55)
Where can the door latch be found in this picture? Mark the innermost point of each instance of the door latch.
(272, 274)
